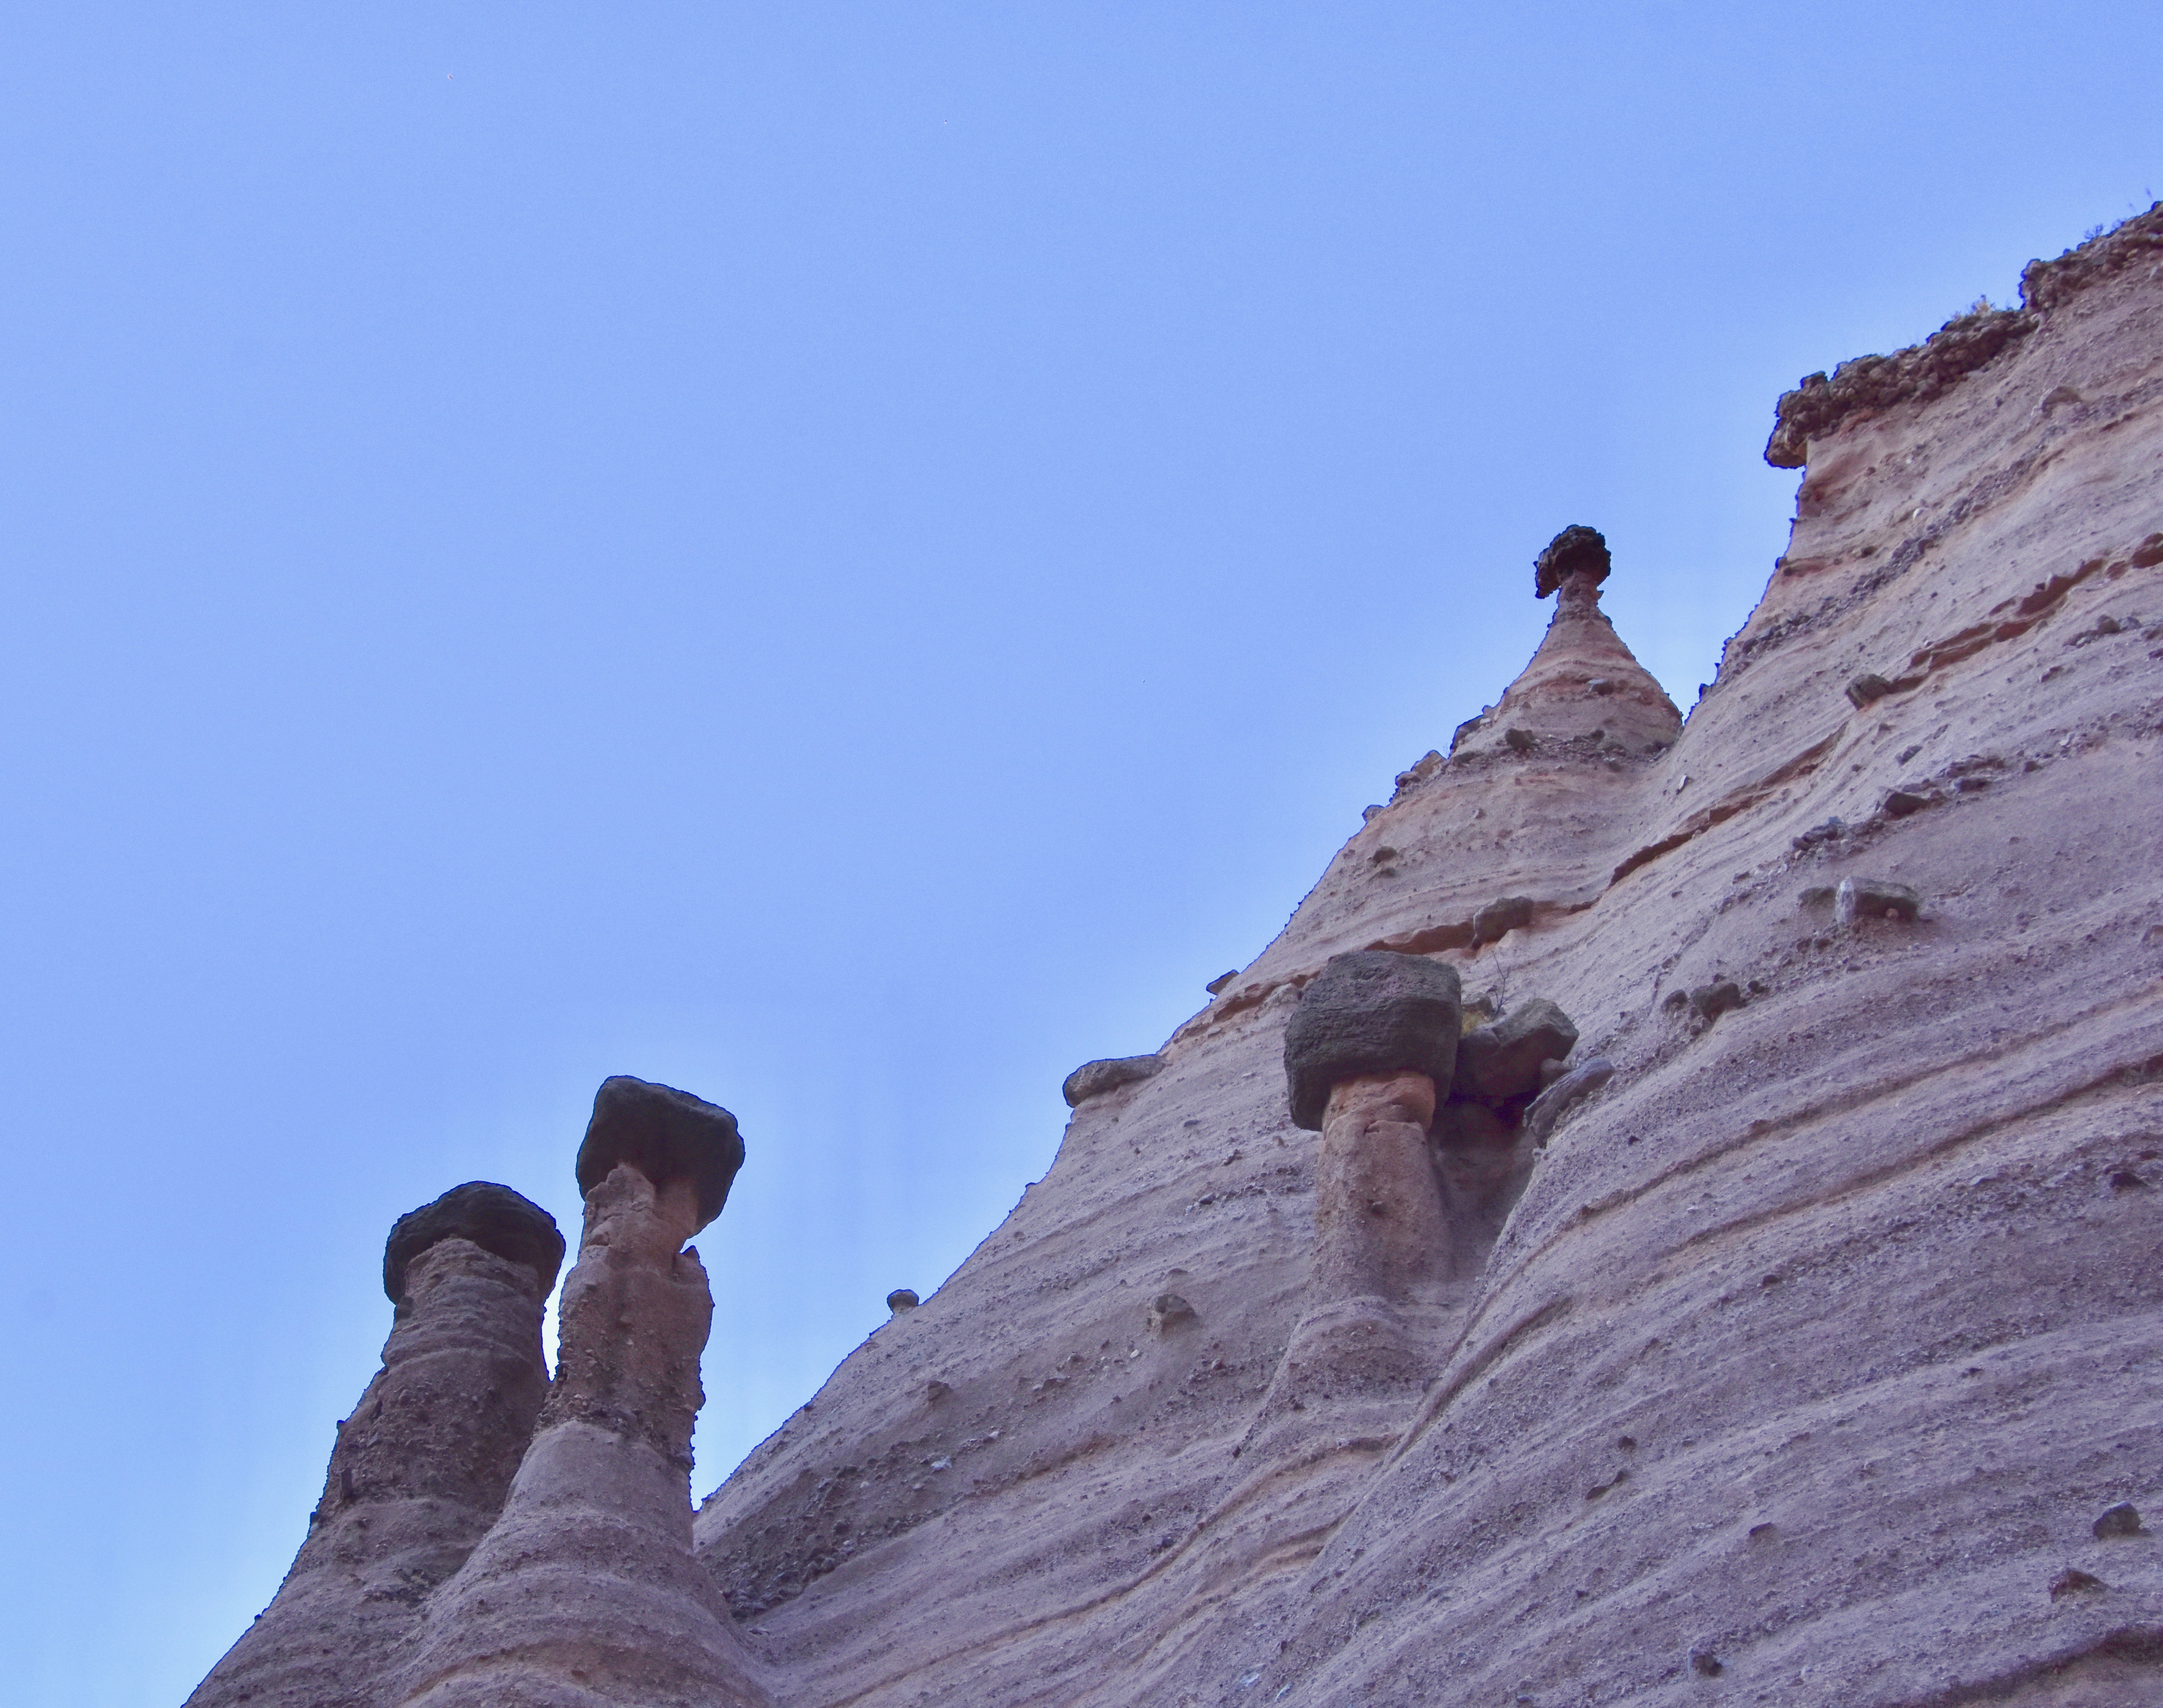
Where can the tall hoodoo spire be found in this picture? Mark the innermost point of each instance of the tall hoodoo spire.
(421, 1467)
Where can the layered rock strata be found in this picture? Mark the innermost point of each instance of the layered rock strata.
(1758, 1303)
(1801, 1363)
(420, 1470)
(585, 1591)
(488, 1535)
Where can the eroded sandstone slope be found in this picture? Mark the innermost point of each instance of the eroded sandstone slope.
(1801, 1363)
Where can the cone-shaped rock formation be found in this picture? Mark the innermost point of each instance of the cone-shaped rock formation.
(585, 1592)
(420, 1469)
(1799, 1365)
(1776, 1316)
(1582, 684)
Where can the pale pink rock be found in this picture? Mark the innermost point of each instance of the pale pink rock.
(1378, 1227)
(1812, 1345)
(585, 1592)
(418, 1474)
(1796, 1369)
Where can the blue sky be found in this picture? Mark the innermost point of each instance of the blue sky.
(847, 558)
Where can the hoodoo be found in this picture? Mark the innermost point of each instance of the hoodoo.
(1582, 684)
(585, 1592)
(419, 1471)
(1672, 1216)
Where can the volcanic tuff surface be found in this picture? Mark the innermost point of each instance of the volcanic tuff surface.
(1816, 1341)
(1812, 1359)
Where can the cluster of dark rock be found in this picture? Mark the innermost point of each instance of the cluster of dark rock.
(1377, 1058)
(1373, 1012)
(1428, 1126)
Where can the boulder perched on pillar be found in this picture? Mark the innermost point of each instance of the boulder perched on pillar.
(1577, 550)
(667, 1135)
(420, 1466)
(495, 1218)
(1370, 1012)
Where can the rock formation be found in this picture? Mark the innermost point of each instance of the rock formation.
(1779, 1319)
(438, 1578)
(1367, 1055)
(419, 1471)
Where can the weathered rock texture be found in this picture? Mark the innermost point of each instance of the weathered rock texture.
(667, 1136)
(487, 1536)
(1379, 1224)
(492, 1217)
(1095, 1079)
(1801, 1363)
(1798, 1345)
(585, 1592)
(1371, 1012)
(420, 1469)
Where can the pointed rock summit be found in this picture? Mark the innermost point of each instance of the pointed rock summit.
(1584, 685)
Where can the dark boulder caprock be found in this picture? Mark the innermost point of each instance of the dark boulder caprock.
(1575, 550)
(1093, 1079)
(667, 1135)
(1500, 1063)
(1370, 1012)
(492, 1217)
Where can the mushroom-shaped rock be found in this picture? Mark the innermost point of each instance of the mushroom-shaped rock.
(902, 1299)
(1576, 550)
(585, 1594)
(1500, 1063)
(1368, 1012)
(1093, 1079)
(492, 1217)
(667, 1135)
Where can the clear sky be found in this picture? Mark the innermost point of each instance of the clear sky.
(844, 557)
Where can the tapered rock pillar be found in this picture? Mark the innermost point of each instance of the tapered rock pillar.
(586, 1593)
(420, 1469)
(1583, 683)
(1379, 1226)
(1367, 1054)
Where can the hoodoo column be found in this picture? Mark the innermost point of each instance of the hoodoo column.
(420, 1469)
(586, 1591)
(1367, 1054)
